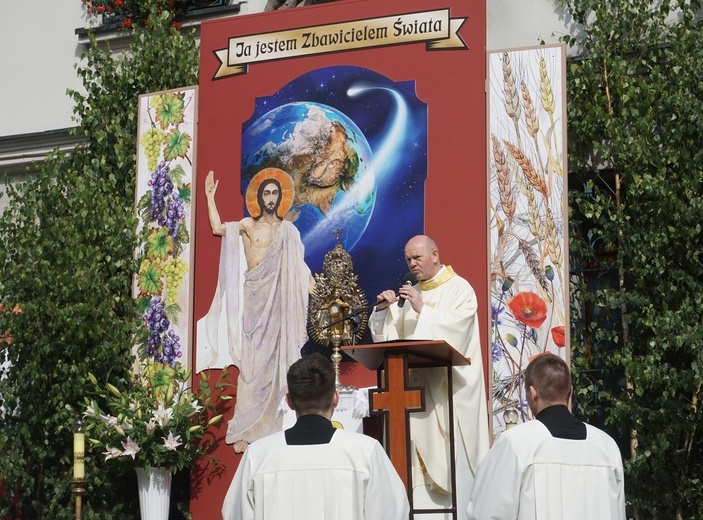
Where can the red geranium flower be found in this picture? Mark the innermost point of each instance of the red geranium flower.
(6, 337)
(558, 336)
(528, 308)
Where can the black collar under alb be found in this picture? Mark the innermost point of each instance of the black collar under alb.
(310, 429)
(561, 424)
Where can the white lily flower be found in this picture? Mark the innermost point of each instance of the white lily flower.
(111, 453)
(90, 410)
(131, 448)
(108, 420)
(163, 415)
(196, 407)
(172, 442)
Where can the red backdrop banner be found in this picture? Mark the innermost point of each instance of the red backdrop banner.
(436, 57)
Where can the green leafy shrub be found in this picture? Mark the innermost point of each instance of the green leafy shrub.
(67, 240)
(635, 145)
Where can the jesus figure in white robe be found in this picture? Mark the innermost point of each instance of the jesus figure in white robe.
(257, 319)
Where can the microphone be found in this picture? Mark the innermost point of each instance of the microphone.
(410, 279)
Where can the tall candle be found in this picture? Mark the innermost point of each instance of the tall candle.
(78, 451)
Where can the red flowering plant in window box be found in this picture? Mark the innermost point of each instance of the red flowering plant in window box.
(135, 12)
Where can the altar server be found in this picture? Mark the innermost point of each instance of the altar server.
(554, 467)
(313, 471)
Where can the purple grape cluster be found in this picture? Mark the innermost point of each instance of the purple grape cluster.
(156, 324)
(166, 206)
(162, 344)
(161, 189)
(174, 214)
(172, 348)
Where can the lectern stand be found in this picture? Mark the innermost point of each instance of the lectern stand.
(395, 400)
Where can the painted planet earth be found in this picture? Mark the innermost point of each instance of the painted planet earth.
(330, 162)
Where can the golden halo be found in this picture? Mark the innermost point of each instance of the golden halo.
(287, 191)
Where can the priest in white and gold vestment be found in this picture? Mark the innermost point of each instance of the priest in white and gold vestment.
(442, 306)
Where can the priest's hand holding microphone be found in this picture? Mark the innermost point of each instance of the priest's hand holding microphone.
(406, 292)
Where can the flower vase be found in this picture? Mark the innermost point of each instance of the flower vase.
(154, 493)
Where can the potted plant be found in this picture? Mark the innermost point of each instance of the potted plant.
(155, 424)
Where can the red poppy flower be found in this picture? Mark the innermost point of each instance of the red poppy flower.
(528, 308)
(558, 336)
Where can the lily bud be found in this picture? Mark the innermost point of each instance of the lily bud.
(114, 390)
(214, 420)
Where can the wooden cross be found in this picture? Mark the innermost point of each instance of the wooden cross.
(396, 401)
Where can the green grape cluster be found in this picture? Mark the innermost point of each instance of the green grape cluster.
(156, 102)
(174, 271)
(152, 140)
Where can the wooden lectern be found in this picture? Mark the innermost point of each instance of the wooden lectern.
(395, 400)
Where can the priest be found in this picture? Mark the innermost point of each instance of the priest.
(441, 306)
(313, 470)
(553, 467)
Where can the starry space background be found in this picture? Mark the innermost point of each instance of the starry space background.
(398, 213)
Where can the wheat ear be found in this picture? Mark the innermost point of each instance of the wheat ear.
(530, 117)
(512, 100)
(507, 200)
(530, 173)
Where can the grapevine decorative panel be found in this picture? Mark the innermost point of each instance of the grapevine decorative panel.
(164, 193)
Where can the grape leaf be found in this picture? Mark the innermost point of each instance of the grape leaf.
(149, 279)
(160, 243)
(184, 193)
(177, 174)
(170, 112)
(177, 144)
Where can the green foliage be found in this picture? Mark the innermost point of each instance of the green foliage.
(633, 105)
(66, 252)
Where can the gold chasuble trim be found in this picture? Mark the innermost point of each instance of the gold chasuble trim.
(436, 28)
(446, 275)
